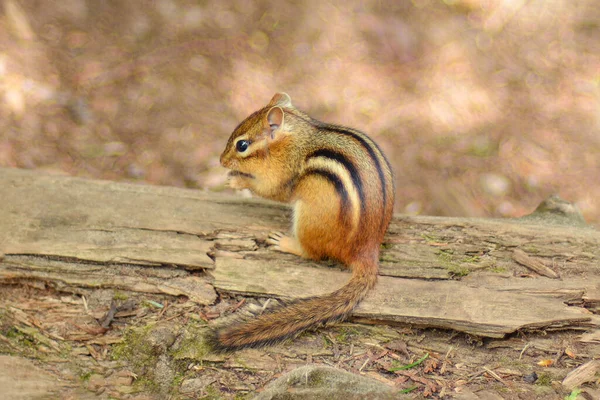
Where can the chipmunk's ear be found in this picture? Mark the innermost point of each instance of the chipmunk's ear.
(281, 100)
(274, 120)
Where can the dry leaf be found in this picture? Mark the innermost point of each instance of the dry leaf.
(569, 352)
(545, 363)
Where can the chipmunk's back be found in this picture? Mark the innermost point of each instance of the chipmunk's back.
(354, 164)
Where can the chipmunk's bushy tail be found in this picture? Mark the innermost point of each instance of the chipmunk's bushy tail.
(288, 321)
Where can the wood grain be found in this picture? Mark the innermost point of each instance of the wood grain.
(453, 273)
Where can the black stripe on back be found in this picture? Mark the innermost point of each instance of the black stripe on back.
(337, 183)
(350, 167)
(371, 151)
(367, 147)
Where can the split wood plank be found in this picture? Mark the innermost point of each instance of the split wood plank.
(107, 221)
(583, 374)
(570, 289)
(69, 275)
(442, 304)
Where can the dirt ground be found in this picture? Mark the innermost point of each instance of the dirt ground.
(67, 356)
(484, 107)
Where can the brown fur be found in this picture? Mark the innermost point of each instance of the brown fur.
(341, 186)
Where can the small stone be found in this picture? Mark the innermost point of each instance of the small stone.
(530, 378)
(317, 382)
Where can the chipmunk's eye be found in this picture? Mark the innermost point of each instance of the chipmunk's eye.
(242, 145)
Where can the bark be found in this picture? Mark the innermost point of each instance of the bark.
(480, 276)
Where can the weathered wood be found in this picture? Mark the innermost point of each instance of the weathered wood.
(77, 234)
(69, 274)
(583, 374)
(533, 264)
(445, 304)
(21, 379)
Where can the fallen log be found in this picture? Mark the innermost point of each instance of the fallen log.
(79, 235)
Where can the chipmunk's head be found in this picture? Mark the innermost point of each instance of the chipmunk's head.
(256, 145)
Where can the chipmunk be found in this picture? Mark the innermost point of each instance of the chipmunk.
(342, 190)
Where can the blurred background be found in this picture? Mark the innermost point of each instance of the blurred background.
(484, 107)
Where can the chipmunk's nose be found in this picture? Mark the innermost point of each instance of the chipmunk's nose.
(223, 160)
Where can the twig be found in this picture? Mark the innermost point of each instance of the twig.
(523, 351)
(495, 376)
(162, 311)
(533, 264)
(85, 304)
(364, 364)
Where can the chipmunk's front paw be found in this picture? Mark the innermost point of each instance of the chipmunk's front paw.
(285, 244)
(274, 238)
